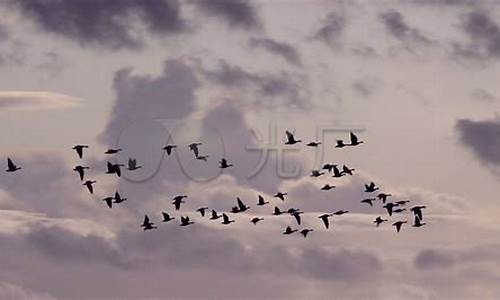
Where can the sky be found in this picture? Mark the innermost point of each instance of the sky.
(416, 80)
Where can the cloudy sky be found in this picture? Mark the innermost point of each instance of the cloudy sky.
(417, 80)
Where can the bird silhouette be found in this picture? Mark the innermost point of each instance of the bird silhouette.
(177, 200)
(328, 167)
(147, 225)
(89, 184)
(118, 198)
(389, 206)
(202, 157)
(289, 230)
(418, 222)
(291, 139)
(313, 144)
(114, 169)
(370, 188)
(169, 148)
(80, 170)
(214, 216)
(262, 201)
(241, 206)
(296, 215)
(346, 170)
(202, 210)
(113, 151)
(166, 217)
(327, 187)
(402, 202)
(369, 201)
(194, 147)
(316, 173)
(292, 210)
(132, 164)
(256, 220)
(336, 172)
(11, 167)
(185, 221)
(79, 150)
(109, 201)
(340, 144)
(304, 232)
(277, 211)
(417, 211)
(324, 218)
(225, 220)
(398, 210)
(223, 164)
(354, 140)
(383, 197)
(399, 224)
(379, 221)
(235, 210)
(280, 195)
(340, 212)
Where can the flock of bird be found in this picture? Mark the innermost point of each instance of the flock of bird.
(396, 207)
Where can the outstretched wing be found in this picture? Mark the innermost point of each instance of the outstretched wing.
(225, 218)
(354, 138)
(79, 151)
(10, 164)
(289, 136)
(326, 222)
(297, 217)
(241, 205)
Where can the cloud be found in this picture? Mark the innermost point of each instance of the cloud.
(106, 24)
(482, 138)
(10, 291)
(236, 13)
(24, 100)
(331, 30)
(285, 50)
(483, 96)
(483, 34)
(397, 27)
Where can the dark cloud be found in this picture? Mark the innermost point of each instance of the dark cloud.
(272, 90)
(482, 138)
(108, 24)
(397, 27)
(484, 35)
(289, 53)
(331, 30)
(236, 13)
(431, 258)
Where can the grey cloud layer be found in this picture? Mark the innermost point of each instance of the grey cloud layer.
(482, 138)
(285, 50)
(236, 13)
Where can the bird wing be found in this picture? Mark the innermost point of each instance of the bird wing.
(117, 196)
(118, 171)
(354, 138)
(289, 136)
(10, 164)
(91, 189)
(81, 172)
(241, 205)
(225, 218)
(277, 210)
(169, 150)
(79, 151)
(109, 202)
(214, 214)
(297, 217)
(418, 213)
(146, 220)
(195, 150)
(131, 163)
(177, 204)
(325, 221)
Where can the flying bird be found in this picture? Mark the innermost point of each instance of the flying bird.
(340, 144)
(289, 230)
(324, 218)
(202, 157)
(316, 173)
(202, 210)
(340, 212)
(255, 220)
(418, 222)
(177, 200)
(291, 139)
(169, 148)
(327, 187)
(280, 195)
(313, 144)
(398, 210)
(185, 221)
(383, 197)
(354, 140)
(262, 201)
(417, 211)
(11, 167)
(296, 215)
(328, 167)
(113, 151)
(79, 150)
(370, 188)
(194, 147)
(389, 206)
(89, 184)
(214, 216)
(166, 217)
(225, 220)
(398, 225)
(277, 211)
(304, 232)
(132, 164)
(118, 198)
(241, 206)
(346, 170)
(147, 225)
(114, 169)
(223, 164)
(379, 221)
(402, 202)
(368, 201)
(336, 172)
(80, 170)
